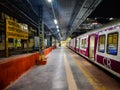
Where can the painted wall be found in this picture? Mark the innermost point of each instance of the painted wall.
(13, 67)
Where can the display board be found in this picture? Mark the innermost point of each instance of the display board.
(16, 30)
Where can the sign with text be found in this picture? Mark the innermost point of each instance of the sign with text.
(16, 30)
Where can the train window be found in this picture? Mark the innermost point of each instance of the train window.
(112, 43)
(101, 44)
(84, 44)
(77, 43)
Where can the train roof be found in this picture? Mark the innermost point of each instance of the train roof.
(106, 26)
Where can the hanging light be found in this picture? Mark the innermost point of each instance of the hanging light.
(49, 1)
(111, 18)
(55, 21)
(58, 30)
(95, 23)
(57, 26)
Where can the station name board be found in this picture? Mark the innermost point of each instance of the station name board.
(16, 30)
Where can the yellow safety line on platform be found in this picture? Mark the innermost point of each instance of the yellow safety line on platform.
(70, 78)
(94, 82)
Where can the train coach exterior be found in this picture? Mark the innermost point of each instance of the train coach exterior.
(72, 44)
(77, 45)
(101, 46)
(108, 50)
(83, 49)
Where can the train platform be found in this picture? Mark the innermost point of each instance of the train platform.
(65, 70)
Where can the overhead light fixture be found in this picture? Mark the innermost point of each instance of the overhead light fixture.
(55, 21)
(111, 18)
(49, 1)
(58, 30)
(94, 23)
(57, 26)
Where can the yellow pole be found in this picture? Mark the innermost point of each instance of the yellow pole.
(27, 46)
(6, 48)
(41, 31)
(6, 41)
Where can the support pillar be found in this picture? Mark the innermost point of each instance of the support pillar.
(41, 36)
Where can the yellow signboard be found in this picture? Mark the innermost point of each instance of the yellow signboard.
(16, 30)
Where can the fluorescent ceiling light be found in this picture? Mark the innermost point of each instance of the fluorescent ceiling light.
(55, 21)
(58, 30)
(111, 18)
(57, 26)
(94, 23)
(49, 0)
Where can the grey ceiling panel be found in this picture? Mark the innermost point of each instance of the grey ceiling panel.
(69, 13)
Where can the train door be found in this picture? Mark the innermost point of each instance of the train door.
(75, 44)
(91, 47)
(79, 46)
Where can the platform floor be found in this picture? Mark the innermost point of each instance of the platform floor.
(65, 70)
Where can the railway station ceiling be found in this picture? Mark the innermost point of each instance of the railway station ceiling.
(73, 17)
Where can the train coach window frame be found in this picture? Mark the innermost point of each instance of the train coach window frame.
(84, 43)
(101, 43)
(112, 43)
(78, 43)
